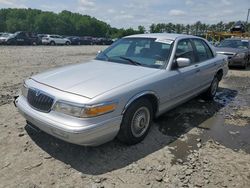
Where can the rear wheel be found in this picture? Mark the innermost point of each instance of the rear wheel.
(211, 92)
(245, 64)
(52, 43)
(67, 43)
(136, 122)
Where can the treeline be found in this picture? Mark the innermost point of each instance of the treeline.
(198, 28)
(63, 23)
(68, 23)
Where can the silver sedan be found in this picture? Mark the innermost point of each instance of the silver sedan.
(120, 92)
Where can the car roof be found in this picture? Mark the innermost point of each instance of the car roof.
(169, 36)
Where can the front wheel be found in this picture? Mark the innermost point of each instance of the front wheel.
(67, 43)
(211, 92)
(136, 122)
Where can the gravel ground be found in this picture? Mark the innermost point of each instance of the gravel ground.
(199, 144)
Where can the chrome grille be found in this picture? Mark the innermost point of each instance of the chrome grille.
(39, 100)
(229, 55)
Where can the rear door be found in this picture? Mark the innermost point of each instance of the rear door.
(206, 63)
(61, 40)
(56, 39)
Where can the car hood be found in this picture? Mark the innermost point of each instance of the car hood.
(228, 50)
(93, 78)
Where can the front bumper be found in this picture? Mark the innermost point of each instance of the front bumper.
(81, 134)
(3, 42)
(45, 41)
(236, 62)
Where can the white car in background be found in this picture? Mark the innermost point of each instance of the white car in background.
(55, 40)
(4, 37)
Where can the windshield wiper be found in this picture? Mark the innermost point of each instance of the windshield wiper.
(131, 61)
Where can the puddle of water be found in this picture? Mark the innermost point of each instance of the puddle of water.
(231, 136)
(204, 120)
(214, 128)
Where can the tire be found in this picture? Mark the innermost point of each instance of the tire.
(52, 43)
(136, 122)
(67, 43)
(211, 92)
(245, 64)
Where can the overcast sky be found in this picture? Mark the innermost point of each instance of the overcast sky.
(131, 13)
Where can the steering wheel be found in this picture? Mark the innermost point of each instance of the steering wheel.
(159, 57)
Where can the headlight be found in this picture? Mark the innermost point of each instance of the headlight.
(84, 111)
(240, 55)
(24, 90)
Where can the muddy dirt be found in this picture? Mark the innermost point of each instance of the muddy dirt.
(198, 144)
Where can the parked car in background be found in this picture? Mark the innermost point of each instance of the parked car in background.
(120, 92)
(23, 38)
(41, 35)
(4, 37)
(103, 41)
(237, 50)
(238, 27)
(55, 40)
(87, 40)
(75, 40)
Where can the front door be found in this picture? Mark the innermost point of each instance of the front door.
(181, 83)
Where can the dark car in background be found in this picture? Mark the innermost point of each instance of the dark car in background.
(103, 41)
(75, 40)
(237, 50)
(238, 27)
(23, 38)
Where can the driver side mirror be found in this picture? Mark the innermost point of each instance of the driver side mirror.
(183, 62)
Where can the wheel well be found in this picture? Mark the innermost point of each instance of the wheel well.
(220, 74)
(152, 99)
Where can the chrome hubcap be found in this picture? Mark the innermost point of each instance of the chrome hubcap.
(140, 121)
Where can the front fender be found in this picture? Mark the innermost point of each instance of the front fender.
(139, 95)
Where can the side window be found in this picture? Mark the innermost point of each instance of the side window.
(184, 49)
(21, 35)
(203, 51)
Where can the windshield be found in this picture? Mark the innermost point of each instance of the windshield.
(234, 44)
(147, 52)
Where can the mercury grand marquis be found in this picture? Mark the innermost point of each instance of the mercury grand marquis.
(118, 94)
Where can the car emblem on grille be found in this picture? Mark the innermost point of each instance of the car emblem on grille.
(38, 93)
